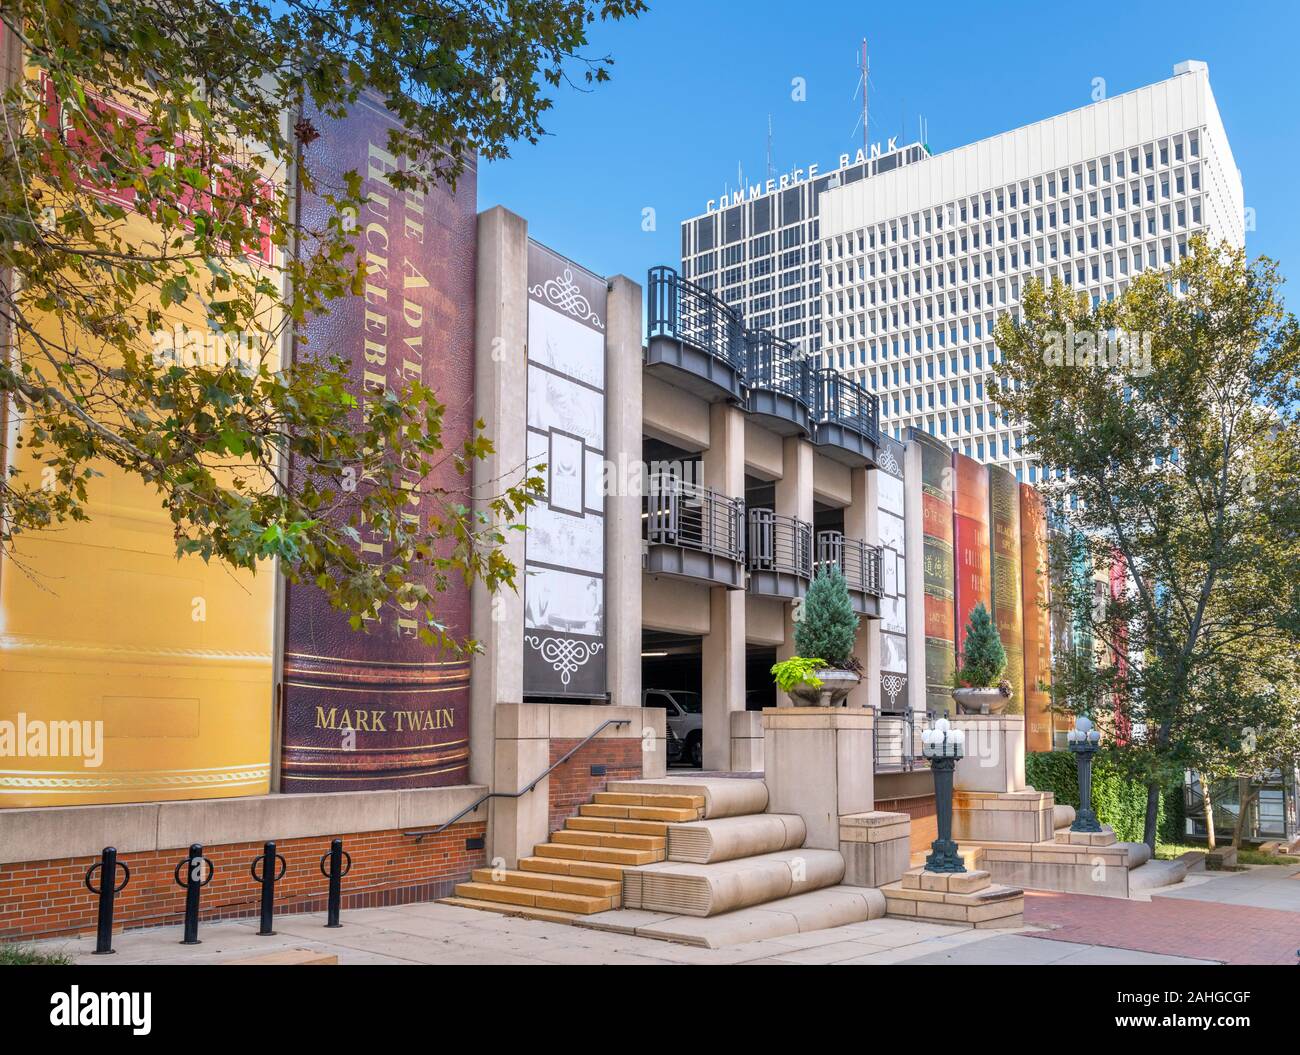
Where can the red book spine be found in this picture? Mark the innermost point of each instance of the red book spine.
(970, 516)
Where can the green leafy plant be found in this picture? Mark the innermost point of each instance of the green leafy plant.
(131, 204)
(827, 625)
(796, 671)
(983, 659)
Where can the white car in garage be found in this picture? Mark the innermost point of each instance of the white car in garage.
(685, 717)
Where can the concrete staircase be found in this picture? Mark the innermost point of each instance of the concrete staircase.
(695, 860)
(580, 870)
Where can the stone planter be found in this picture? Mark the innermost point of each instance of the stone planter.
(835, 685)
(980, 701)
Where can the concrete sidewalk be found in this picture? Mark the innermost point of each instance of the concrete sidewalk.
(430, 933)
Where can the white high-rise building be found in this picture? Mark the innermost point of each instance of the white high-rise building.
(917, 264)
(758, 247)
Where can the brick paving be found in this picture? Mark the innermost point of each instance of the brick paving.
(1235, 934)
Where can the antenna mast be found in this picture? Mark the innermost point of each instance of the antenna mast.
(769, 146)
(866, 70)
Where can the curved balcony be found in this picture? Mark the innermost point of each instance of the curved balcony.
(694, 340)
(860, 565)
(780, 554)
(778, 383)
(694, 533)
(846, 418)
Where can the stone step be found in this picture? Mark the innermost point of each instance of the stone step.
(506, 909)
(1155, 874)
(583, 904)
(723, 796)
(833, 906)
(963, 899)
(561, 866)
(622, 842)
(601, 854)
(685, 801)
(729, 838)
(711, 889)
(614, 824)
(563, 884)
(639, 813)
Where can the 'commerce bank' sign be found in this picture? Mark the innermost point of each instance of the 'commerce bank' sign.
(797, 176)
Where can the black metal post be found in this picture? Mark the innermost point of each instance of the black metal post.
(108, 891)
(198, 874)
(1085, 820)
(269, 859)
(337, 870)
(943, 851)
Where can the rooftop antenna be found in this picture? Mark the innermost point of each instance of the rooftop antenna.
(769, 146)
(866, 73)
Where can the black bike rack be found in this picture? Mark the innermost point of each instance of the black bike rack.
(269, 877)
(198, 874)
(340, 865)
(107, 866)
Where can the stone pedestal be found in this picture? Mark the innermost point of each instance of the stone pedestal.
(964, 899)
(1073, 862)
(995, 752)
(1014, 816)
(876, 847)
(819, 763)
(746, 741)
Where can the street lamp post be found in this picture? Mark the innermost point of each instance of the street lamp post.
(943, 746)
(1085, 741)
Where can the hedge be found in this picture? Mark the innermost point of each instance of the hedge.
(1118, 801)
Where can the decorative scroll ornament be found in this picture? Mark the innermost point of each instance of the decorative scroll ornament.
(565, 655)
(886, 460)
(563, 292)
(893, 685)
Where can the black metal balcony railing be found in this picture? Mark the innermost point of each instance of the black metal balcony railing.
(859, 562)
(780, 544)
(683, 311)
(681, 513)
(776, 365)
(839, 400)
(895, 737)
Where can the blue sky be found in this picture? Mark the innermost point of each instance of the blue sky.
(694, 82)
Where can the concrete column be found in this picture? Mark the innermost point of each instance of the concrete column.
(622, 504)
(861, 520)
(722, 658)
(500, 339)
(794, 498)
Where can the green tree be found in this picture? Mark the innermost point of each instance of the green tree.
(76, 182)
(983, 659)
(1176, 450)
(827, 623)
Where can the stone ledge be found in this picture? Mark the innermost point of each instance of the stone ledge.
(56, 832)
(1105, 837)
(874, 827)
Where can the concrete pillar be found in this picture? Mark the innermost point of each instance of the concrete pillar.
(722, 657)
(622, 504)
(500, 338)
(861, 521)
(794, 498)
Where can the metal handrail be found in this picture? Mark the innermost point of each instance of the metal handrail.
(857, 561)
(840, 400)
(780, 543)
(684, 311)
(777, 365)
(681, 513)
(419, 835)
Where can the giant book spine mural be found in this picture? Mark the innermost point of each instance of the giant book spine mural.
(378, 708)
(1008, 608)
(564, 581)
(928, 470)
(893, 573)
(1037, 631)
(971, 548)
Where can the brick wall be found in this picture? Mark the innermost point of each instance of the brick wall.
(572, 784)
(48, 898)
